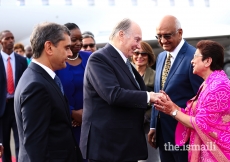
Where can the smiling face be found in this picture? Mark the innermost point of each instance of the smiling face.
(88, 45)
(76, 40)
(131, 40)
(197, 63)
(140, 58)
(168, 35)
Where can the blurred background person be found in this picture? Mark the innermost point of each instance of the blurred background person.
(205, 121)
(12, 66)
(28, 53)
(72, 77)
(19, 49)
(89, 43)
(143, 58)
(1, 150)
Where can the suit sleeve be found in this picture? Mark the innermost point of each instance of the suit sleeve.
(36, 119)
(102, 77)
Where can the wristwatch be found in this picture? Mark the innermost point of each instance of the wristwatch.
(174, 113)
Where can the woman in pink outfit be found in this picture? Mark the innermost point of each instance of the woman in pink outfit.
(205, 122)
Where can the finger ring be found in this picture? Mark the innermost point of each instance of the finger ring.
(163, 107)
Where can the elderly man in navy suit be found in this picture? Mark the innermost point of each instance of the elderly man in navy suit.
(115, 100)
(173, 75)
(12, 67)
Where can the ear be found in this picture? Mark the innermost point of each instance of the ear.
(208, 62)
(48, 48)
(121, 34)
(180, 31)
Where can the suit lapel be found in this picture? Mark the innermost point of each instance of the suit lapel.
(40, 70)
(117, 58)
(159, 69)
(2, 69)
(18, 67)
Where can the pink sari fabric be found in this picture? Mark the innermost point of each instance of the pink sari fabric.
(210, 118)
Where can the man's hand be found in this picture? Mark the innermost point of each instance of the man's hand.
(152, 138)
(77, 117)
(1, 150)
(155, 96)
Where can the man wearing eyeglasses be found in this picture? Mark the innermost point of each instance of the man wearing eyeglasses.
(173, 75)
(88, 42)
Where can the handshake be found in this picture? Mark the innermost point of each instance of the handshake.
(154, 97)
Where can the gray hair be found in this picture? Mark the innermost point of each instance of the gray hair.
(177, 23)
(46, 32)
(123, 25)
(88, 34)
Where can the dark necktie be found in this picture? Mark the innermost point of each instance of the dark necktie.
(130, 69)
(166, 70)
(10, 77)
(58, 82)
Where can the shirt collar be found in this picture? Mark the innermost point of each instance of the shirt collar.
(5, 56)
(177, 49)
(48, 70)
(122, 55)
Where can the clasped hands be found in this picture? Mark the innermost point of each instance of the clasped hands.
(162, 102)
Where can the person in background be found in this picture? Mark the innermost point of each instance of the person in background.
(173, 75)
(12, 66)
(19, 49)
(72, 77)
(143, 58)
(28, 53)
(115, 100)
(41, 109)
(88, 41)
(1, 150)
(205, 121)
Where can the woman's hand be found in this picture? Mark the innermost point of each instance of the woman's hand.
(165, 104)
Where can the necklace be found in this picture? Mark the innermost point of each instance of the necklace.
(72, 59)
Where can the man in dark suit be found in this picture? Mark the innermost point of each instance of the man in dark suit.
(181, 85)
(12, 67)
(41, 110)
(115, 100)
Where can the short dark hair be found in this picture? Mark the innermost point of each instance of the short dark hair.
(4, 31)
(46, 32)
(71, 26)
(209, 48)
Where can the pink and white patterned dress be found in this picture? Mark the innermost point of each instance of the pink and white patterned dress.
(210, 118)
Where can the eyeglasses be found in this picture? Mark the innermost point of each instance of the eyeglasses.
(166, 36)
(90, 45)
(136, 53)
(197, 55)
